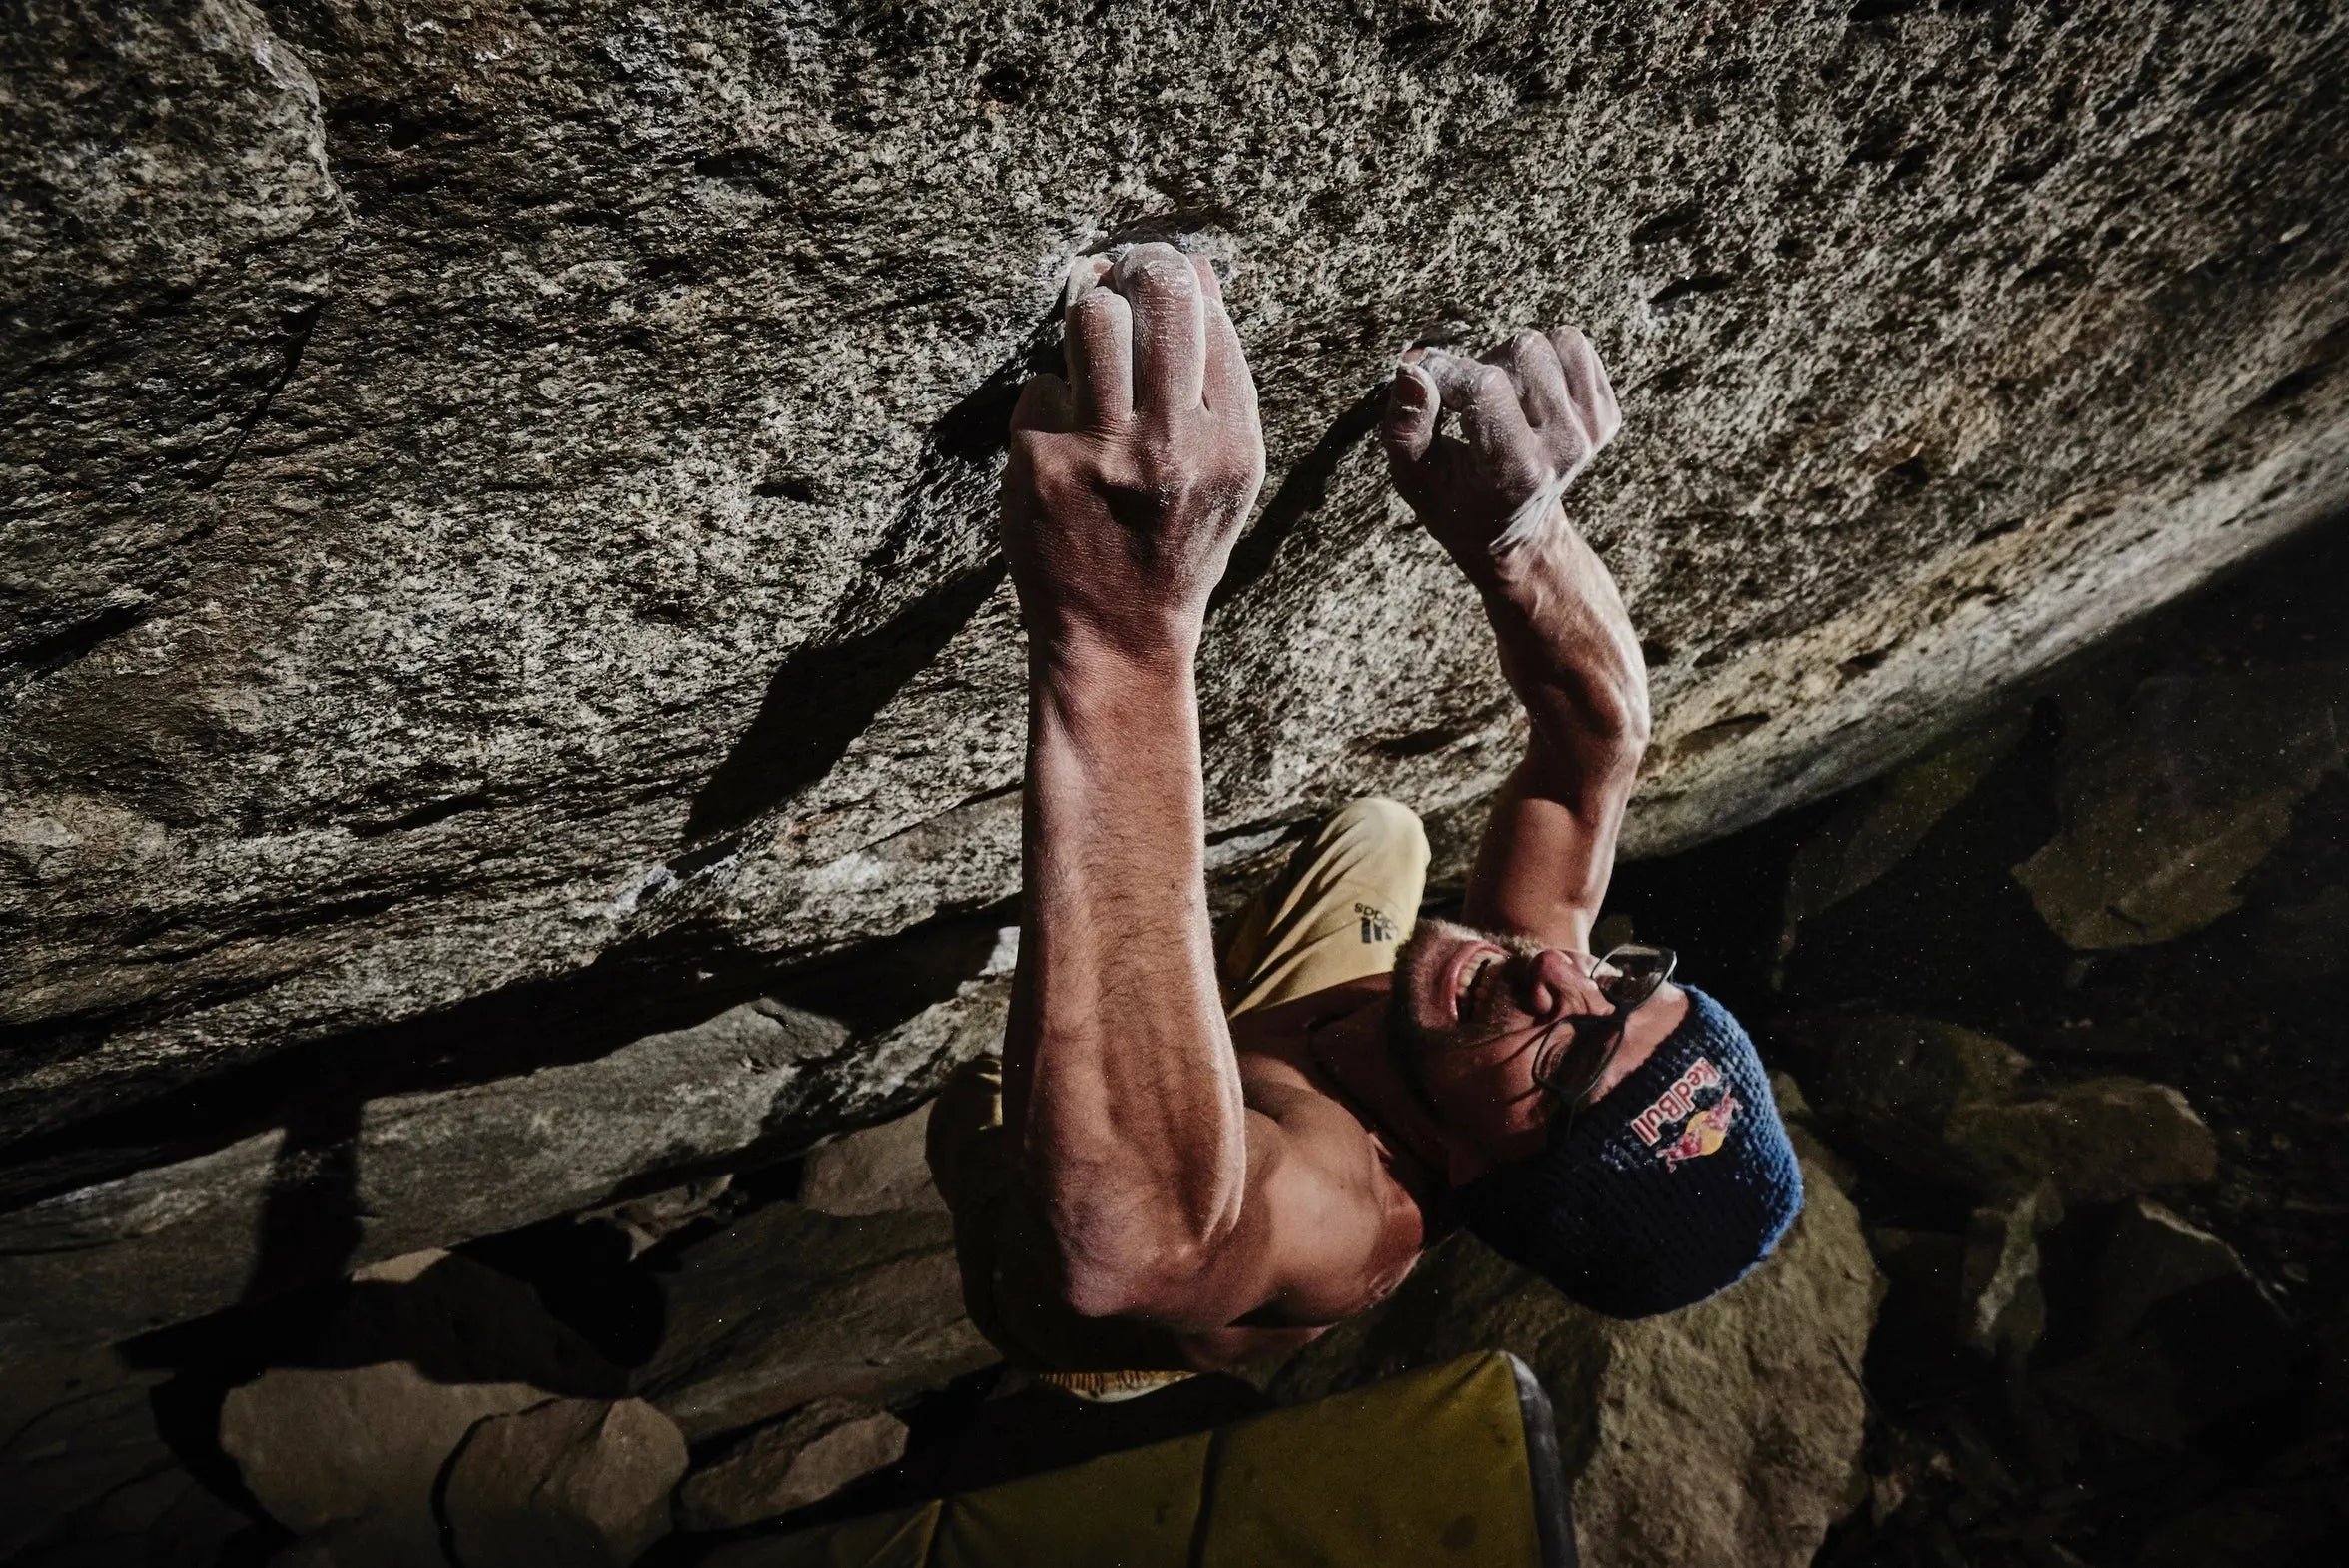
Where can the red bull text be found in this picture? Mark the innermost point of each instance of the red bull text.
(1678, 1100)
(1704, 1129)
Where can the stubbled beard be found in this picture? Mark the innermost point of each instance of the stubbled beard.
(1411, 1042)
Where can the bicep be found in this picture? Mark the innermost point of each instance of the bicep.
(1549, 848)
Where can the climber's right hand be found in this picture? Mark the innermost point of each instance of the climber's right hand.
(1128, 481)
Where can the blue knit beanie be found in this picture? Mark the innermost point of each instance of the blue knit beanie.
(1666, 1191)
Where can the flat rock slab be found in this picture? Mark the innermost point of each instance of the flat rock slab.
(398, 1173)
(801, 1460)
(357, 1451)
(789, 1306)
(1728, 1432)
(499, 498)
(573, 1481)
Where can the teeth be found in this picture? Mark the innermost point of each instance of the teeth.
(1468, 984)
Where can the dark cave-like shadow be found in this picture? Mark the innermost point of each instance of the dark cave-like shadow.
(308, 1230)
(1301, 491)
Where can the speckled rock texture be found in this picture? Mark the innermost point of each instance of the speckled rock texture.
(494, 498)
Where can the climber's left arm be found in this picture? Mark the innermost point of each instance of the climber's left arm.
(1126, 488)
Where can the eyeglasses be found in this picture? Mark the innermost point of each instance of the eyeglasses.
(1627, 977)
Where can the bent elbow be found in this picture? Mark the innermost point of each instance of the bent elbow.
(1633, 727)
(1159, 1280)
(1160, 1290)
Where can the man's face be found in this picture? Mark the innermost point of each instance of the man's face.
(1467, 1011)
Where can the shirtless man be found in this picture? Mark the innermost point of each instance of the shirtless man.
(1165, 1173)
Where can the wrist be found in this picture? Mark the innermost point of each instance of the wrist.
(1520, 562)
(1085, 667)
(1136, 646)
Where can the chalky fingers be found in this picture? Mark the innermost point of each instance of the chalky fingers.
(1587, 383)
(1170, 328)
(1100, 336)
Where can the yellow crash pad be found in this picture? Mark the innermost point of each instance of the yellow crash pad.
(1453, 1466)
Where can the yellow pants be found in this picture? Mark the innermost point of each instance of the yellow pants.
(1344, 903)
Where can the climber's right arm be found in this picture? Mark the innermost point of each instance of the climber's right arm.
(1530, 416)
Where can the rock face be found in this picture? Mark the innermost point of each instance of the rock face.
(1728, 1432)
(496, 499)
(583, 1481)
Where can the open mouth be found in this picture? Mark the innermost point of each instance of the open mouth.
(1467, 977)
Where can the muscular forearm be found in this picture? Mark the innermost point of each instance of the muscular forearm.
(1568, 650)
(1120, 1075)
(1530, 417)
(1124, 491)
(1569, 653)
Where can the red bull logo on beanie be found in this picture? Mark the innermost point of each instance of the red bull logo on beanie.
(1703, 1131)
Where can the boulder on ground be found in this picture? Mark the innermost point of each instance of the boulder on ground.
(2171, 803)
(1889, 1083)
(86, 1477)
(789, 1305)
(2001, 1304)
(2097, 1141)
(802, 1459)
(1950, 1106)
(2184, 1334)
(873, 1170)
(357, 1448)
(572, 1483)
(1728, 1432)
